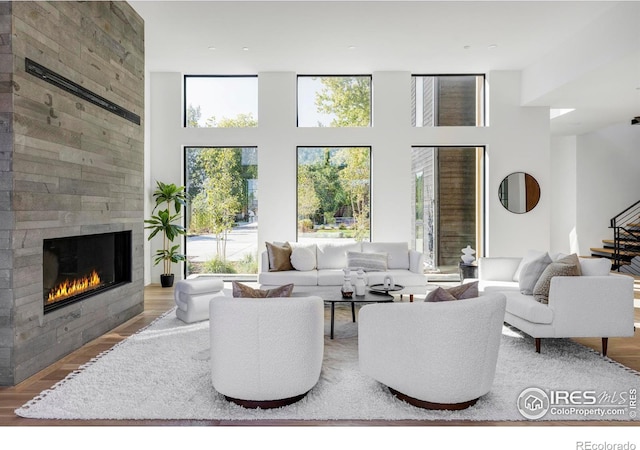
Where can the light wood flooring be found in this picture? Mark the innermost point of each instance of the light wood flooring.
(159, 300)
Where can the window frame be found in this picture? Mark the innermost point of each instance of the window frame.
(185, 173)
(483, 99)
(298, 76)
(184, 92)
(481, 202)
(298, 147)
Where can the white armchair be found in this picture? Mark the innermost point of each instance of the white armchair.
(266, 352)
(439, 355)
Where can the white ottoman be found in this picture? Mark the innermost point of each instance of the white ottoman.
(192, 297)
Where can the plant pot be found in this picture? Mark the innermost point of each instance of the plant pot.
(166, 280)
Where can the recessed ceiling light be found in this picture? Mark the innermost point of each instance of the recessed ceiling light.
(211, 47)
(246, 49)
(492, 46)
(352, 47)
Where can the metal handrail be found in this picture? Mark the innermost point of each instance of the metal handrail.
(624, 230)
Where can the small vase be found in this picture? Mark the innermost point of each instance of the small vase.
(467, 255)
(347, 287)
(166, 280)
(360, 283)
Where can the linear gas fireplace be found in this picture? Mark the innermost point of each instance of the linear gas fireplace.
(79, 267)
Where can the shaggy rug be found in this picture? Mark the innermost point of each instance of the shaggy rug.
(162, 372)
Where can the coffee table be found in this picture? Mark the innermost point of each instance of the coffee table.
(368, 297)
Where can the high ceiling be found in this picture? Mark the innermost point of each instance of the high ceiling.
(358, 37)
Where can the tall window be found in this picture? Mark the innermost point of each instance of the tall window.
(334, 193)
(334, 101)
(447, 204)
(220, 101)
(222, 216)
(447, 100)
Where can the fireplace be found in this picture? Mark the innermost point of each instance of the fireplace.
(78, 267)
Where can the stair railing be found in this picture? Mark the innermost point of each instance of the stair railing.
(626, 228)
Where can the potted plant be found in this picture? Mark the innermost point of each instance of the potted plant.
(168, 197)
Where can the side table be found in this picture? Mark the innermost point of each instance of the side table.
(468, 270)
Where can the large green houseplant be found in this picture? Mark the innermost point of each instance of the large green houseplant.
(170, 199)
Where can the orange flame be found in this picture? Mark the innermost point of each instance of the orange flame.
(69, 288)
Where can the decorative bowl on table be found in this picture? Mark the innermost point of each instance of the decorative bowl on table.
(382, 289)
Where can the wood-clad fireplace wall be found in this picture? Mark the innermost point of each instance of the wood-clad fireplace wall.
(68, 168)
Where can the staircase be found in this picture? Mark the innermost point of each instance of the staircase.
(624, 248)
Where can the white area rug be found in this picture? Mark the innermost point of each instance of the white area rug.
(162, 372)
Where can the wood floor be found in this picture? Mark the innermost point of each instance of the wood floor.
(159, 300)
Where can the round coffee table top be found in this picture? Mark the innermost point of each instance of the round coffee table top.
(381, 289)
(369, 296)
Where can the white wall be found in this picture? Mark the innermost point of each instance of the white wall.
(563, 200)
(516, 140)
(608, 180)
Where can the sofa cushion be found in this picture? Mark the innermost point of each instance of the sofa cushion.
(528, 257)
(525, 307)
(400, 276)
(594, 267)
(556, 269)
(242, 290)
(497, 286)
(531, 272)
(369, 262)
(334, 256)
(279, 256)
(331, 277)
(397, 252)
(297, 277)
(303, 258)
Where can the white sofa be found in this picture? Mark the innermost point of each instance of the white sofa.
(435, 355)
(404, 265)
(596, 304)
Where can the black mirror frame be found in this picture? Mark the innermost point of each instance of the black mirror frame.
(530, 181)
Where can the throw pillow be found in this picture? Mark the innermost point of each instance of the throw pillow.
(556, 269)
(369, 262)
(303, 258)
(467, 290)
(528, 257)
(244, 291)
(439, 295)
(571, 259)
(279, 257)
(594, 267)
(531, 272)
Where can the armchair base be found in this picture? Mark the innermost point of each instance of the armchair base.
(266, 404)
(431, 405)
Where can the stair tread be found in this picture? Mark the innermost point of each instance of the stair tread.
(623, 242)
(611, 251)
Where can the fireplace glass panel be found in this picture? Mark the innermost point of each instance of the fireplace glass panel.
(78, 267)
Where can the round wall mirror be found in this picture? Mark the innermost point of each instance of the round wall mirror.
(519, 192)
